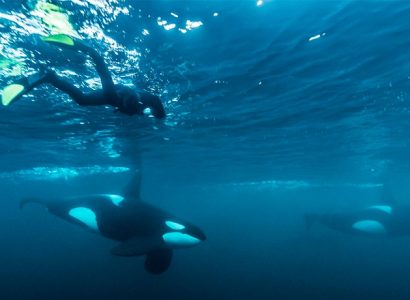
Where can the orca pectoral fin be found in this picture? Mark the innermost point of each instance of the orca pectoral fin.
(26, 201)
(137, 246)
(158, 261)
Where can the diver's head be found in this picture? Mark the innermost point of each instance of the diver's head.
(153, 103)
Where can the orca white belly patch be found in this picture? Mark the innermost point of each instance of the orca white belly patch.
(180, 240)
(86, 216)
(369, 226)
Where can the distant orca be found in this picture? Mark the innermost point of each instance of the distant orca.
(377, 220)
(141, 228)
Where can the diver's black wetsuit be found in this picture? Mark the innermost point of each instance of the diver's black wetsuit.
(125, 99)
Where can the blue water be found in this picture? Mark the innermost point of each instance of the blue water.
(274, 108)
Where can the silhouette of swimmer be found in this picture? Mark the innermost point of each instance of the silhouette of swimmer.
(125, 99)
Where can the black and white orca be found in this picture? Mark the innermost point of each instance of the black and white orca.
(141, 228)
(377, 220)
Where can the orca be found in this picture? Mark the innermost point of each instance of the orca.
(140, 228)
(383, 220)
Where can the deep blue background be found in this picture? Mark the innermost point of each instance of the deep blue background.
(263, 125)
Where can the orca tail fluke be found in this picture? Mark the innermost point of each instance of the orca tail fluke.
(26, 201)
(310, 219)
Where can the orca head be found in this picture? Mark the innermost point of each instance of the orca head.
(182, 235)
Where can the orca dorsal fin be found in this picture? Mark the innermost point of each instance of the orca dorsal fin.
(132, 191)
(387, 196)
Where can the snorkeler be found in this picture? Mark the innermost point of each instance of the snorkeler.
(123, 98)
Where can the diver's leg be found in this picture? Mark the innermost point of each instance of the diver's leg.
(23, 86)
(102, 70)
(14, 91)
(63, 85)
(100, 66)
(95, 98)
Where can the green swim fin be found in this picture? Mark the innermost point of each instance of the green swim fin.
(14, 91)
(11, 93)
(60, 39)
